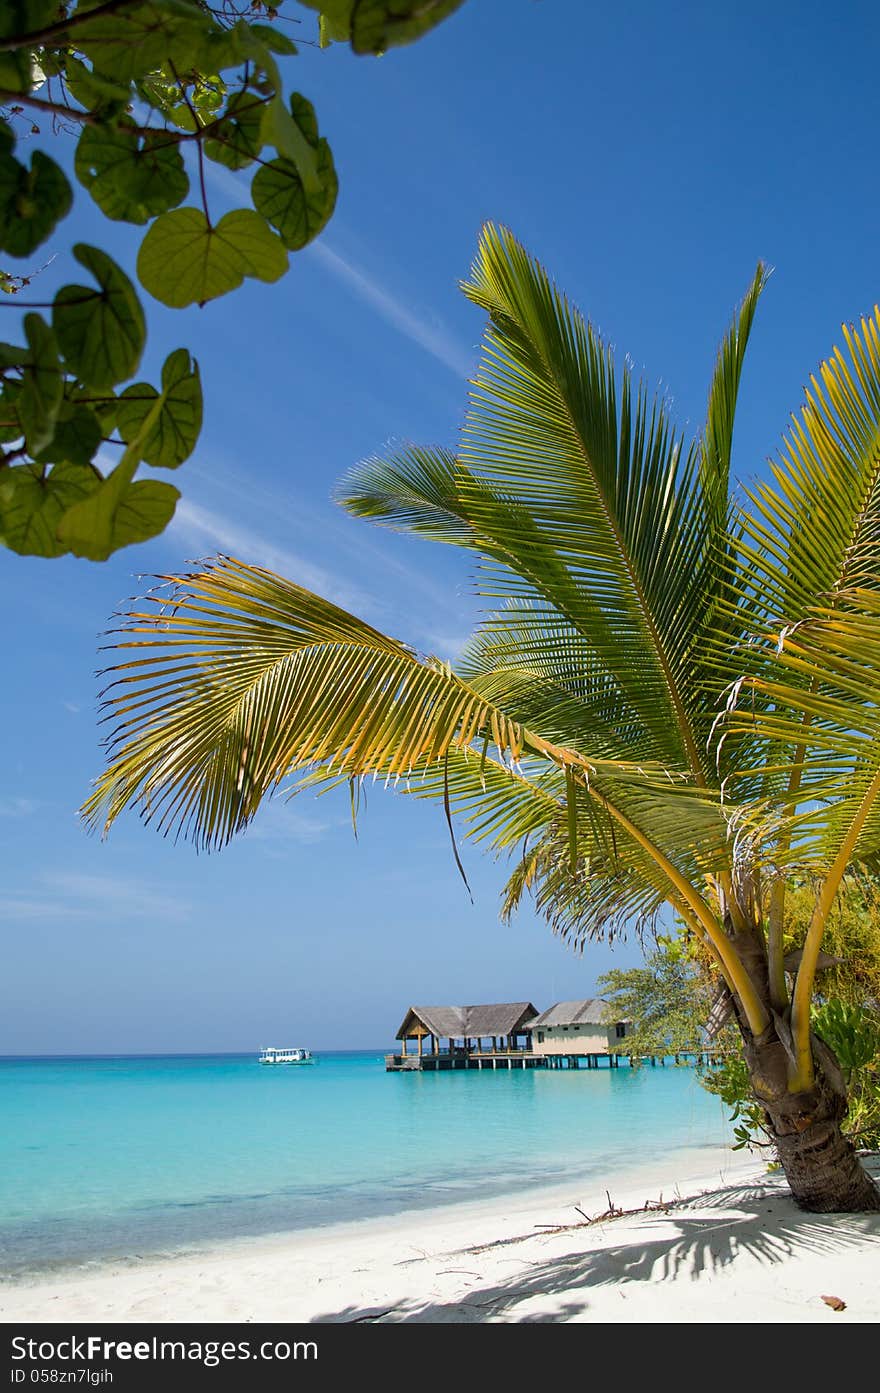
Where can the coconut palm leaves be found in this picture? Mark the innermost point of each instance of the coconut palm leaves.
(669, 701)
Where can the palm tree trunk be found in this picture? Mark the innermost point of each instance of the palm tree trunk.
(820, 1164)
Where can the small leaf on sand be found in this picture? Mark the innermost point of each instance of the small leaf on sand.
(835, 1303)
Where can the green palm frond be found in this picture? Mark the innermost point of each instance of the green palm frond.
(416, 489)
(817, 699)
(814, 530)
(534, 662)
(810, 538)
(584, 504)
(236, 679)
(499, 804)
(717, 441)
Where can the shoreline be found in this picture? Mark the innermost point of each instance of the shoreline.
(485, 1195)
(725, 1244)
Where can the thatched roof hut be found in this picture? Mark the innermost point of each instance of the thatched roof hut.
(588, 1012)
(468, 1022)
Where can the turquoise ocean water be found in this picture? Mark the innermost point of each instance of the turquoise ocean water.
(120, 1157)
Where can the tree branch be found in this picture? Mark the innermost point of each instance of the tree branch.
(88, 118)
(64, 26)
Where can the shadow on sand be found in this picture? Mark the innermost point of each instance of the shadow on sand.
(734, 1221)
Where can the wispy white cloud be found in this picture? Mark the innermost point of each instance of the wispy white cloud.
(415, 326)
(61, 895)
(18, 807)
(353, 541)
(412, 322)
(280, 822)
(18, 908)
(201, 527)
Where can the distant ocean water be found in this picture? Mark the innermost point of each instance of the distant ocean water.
(119, 1157)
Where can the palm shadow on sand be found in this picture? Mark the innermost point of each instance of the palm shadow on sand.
(734, 1221)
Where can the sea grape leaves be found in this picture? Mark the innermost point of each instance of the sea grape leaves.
(32, 505)
(280, 195)
(138, 83)
(373, 26)
(131, 176)
(76, 438)
(101, 332)
(172, 438)
(150, 35)
(32, 200)
(184, 260)
(117, 513)
(42, 385)
(238, 139)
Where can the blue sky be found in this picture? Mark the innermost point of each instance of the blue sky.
(650, 155)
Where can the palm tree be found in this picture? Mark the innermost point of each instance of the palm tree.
(673, 699)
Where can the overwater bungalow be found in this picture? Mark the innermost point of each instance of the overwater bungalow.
(508, 1034)
(492, 1033)
(513, 1035)
(578, 1027)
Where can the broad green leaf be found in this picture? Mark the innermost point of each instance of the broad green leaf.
(228, 48)
(154, 34)
(20, 17)
(42, 384)
(334, 20)
(333, 31)
(183, 260)
(32, 201)
(77, 436)
(101, 332)
(15, 72)
(146, 509)
(173, 437)
(106, 410)
(93, 90)
(279, 196)
(163, 93)
(116, 514)
(120, 511)
(131, 177)
(303, 113)
(281, 129)
(377, 25)
(262, 252)
(238, 133)
(31, 506)
(12, 355)
(10, 421)
(274, 39)
(26, 16)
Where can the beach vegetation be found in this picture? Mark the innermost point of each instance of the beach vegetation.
(853, 1034)
(160, 97)
(671, 698)
(666, 1001)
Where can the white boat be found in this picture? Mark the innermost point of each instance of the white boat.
(272, 1055)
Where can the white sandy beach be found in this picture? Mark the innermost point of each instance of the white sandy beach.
(726, 1246)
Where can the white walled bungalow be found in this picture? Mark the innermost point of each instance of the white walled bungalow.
(577, 1027)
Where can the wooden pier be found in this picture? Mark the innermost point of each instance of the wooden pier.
(524, 1059)
(513, 1035)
